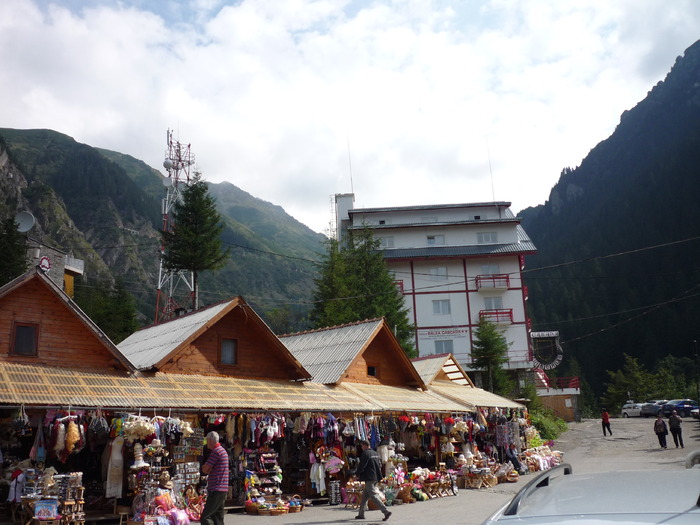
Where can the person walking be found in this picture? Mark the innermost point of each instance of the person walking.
(661, 431)
(370, 471)
(217, 484)
(674, 423)
(605, 420)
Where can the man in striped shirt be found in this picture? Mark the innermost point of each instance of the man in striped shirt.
(217, 484)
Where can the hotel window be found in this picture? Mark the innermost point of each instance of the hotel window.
(386, 242)
(487, 237)
(490, 269)
(436, 240)
(438, 273)
(444, 346)
(493, 303)
(25, 338)
(441, 307)
(229, 352)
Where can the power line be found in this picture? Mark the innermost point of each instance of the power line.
(650, 309)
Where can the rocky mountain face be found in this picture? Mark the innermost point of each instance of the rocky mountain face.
(104, 207)
(619, 237)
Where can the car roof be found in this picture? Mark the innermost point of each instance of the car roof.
(614, 497)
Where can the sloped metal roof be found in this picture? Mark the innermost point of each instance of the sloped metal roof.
(394, 226)
(327, 353)
(475, 396)
(149, 346)
(460, 251)
(523, 246)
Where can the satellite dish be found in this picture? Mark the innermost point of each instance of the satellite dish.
(167, 182)
(168, 164)
(25, 221)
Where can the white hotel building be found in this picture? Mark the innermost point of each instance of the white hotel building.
(455, 264)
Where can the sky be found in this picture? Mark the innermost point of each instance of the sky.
(400, 102)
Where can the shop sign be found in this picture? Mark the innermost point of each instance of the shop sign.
(442, 333)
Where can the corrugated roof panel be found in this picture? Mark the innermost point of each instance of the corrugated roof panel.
(428, 368)
(475, 396)
(398, 399)
(150, 345)
(460, 251)
(327, 353)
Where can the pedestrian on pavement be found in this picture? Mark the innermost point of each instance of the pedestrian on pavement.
(674, 423)
(661, 430)
(605, 419)
(370, 471)
(217, 483)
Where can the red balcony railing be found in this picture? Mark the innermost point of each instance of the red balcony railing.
(566, 382)
(497, 316)
(491, 281)
(542, 380)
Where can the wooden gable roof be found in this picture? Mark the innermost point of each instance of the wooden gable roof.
(441, 366)
(444, 376)
(67, 336)
(342, 354)
(179, 345)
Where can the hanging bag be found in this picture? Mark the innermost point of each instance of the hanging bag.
(38, 451)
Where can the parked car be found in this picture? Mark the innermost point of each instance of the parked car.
(694, 413)
(560, 496)
(653, 407)
(682, 406)
(632, 410)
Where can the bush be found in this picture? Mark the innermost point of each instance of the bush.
(548, 425)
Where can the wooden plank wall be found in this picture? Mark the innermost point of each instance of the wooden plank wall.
(64, 340)
(259, 353)
(558, 405)
(382, 353)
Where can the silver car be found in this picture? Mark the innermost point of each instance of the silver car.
(559, 496)
(631, 410)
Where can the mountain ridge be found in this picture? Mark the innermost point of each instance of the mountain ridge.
(618, 233)
(113, 201)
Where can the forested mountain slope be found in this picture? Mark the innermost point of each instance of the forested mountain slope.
(104, 207)
(619, 237)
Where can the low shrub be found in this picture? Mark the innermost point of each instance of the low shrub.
(548, 425)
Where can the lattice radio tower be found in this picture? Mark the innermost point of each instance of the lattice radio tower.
(178, 160)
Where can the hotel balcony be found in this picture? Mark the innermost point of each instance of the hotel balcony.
(498, 281)
(501, 316)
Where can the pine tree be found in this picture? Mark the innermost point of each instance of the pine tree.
(489, 352)
(355, 284)
(195, 243)
(14, 252)
(113, 309)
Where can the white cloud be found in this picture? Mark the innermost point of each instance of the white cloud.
(430, 96)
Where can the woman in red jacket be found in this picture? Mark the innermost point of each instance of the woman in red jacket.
(605, 419)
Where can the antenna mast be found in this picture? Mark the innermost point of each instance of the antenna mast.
(178, 160)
